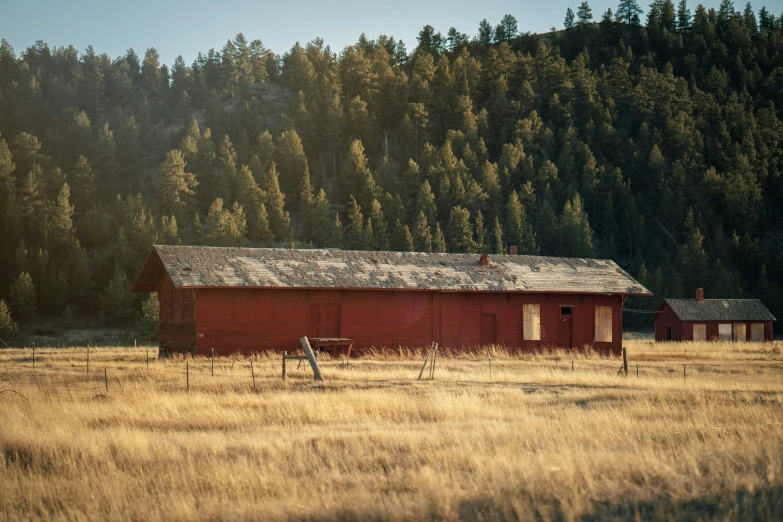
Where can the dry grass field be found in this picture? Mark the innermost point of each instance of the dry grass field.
(535, 441)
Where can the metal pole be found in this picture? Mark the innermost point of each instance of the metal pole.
(213, 362)
(187, 376)
(88, 359)
(284, 354)
(253, 372)
(106, 379)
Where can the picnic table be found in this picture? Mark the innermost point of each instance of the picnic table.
(332, 345)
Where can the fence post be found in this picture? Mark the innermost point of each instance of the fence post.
(106, 379)
(187, 376)
(434, 358)
(625, 360)
(284, 354)
(637, 369)
(33, 355)
(423, 367)
(683, 372)
(213, 362)
(253, 373)
(88, 359)
(148, 358)
(572, 366)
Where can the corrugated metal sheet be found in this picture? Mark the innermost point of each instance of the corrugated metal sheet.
(190, 266)
(720, 310)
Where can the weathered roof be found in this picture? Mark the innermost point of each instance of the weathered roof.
(191, 266)
(720, 310)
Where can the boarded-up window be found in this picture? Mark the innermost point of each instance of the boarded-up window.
(724, 332)
(740, 332)
(603, 324)
(531, 322)
(757, 332)
(699, 332)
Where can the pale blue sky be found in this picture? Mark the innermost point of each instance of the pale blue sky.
(186, 28)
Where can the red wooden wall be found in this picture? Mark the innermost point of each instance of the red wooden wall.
(245, 319)
(683, 330)
(177, 315)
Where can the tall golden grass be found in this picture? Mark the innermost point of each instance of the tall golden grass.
(536, 441)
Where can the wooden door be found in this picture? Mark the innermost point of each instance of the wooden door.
(565, 327)
(324, 320)
(487, 329)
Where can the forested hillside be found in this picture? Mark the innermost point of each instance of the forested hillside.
(654, 139)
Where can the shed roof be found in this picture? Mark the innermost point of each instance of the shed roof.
(198, 266)
(720, 310)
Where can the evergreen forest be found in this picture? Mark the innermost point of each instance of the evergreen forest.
(651, 137)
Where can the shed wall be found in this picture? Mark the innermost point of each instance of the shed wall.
(177, 316)
(231, 320)
(683, 330)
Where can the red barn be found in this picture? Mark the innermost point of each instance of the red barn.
(702, 319)
(255, 299)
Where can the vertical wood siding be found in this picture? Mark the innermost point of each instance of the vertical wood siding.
(243, 319)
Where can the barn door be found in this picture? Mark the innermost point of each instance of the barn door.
(487, 329)
(324, 320)
(565, 327)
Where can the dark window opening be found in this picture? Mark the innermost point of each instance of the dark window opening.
(668, 333)
(565, 310)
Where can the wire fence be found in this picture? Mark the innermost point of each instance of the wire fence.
(69, 371)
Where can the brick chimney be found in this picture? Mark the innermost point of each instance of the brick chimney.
(512, 250)
(483, 260)
(700, 295)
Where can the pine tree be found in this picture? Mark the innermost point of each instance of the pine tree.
(279, 220)
(401, 238)
(485, 33)
(683, 16)
(168, 232)
(380, 228)
(8, 328)
(175, 186)
(584, 14)
(150, 314)
(422, 235)
(356, 177)
(576, 235)
(461, 231)
(520, 233)
(336, 232)
(355, 238)
(62, 218)
(569, 19)
(293, 168)
(425, 202)
(227, 170)
(226, 227)
(321, 222)
(117, 298)
(439, 240)
(628, 11)
(500, 247)
(481, 233)
(22, 296)
(548, 231)
(83, 184)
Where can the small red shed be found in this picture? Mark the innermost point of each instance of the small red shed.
(700, 319)
(255, 299)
